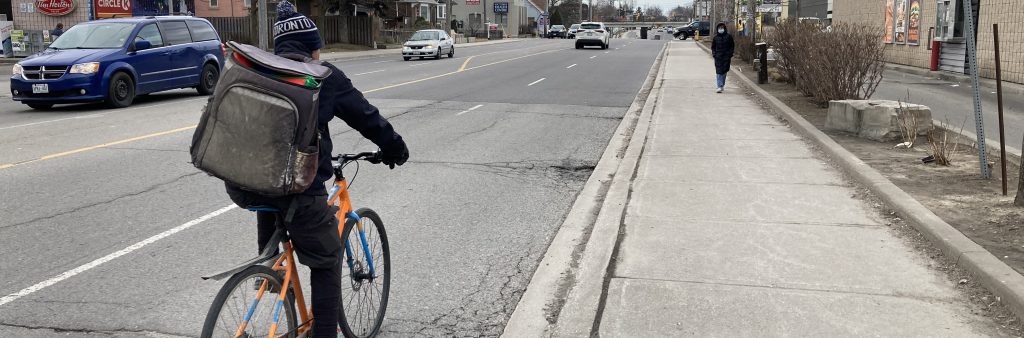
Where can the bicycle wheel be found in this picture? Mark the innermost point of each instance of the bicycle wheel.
(237, 298)
(364, 293)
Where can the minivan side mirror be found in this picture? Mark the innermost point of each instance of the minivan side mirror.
(142, 45)
(443, 38)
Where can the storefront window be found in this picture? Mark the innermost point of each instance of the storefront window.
(950, 20)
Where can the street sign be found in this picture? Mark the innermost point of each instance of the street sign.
(501, 7)
(55, 7)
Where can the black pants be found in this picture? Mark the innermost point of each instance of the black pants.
(314, 234)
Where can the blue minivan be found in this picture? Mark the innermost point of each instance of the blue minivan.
(115, 60)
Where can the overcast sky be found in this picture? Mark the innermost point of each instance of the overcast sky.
(666, 5)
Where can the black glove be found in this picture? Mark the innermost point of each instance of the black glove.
(396, 154)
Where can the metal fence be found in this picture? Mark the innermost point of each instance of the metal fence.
(355, 30)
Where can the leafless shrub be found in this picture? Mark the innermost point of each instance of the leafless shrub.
(944, 148)
(745, 49)
(906, 120)
(840, 64)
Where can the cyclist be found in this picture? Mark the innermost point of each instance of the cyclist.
(313, 227)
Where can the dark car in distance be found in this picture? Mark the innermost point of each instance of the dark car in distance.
(688, 31)
(557, 31)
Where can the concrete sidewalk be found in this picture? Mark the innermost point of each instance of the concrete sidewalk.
(736, 228)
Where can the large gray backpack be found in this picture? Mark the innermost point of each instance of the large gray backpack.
(258, 131)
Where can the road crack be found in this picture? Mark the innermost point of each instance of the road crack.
(100, 203)
(65, 330)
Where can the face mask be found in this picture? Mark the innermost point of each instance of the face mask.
(721, 31)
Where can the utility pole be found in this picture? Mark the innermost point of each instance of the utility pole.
(261, 23)
(752, 20)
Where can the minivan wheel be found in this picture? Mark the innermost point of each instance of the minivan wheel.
(40, 106)
(208, 80)
(121, 92)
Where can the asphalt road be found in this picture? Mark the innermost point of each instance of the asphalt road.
(502, 138)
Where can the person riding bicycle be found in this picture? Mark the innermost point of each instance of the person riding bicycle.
(313, 228)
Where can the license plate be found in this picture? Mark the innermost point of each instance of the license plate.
(40, 88)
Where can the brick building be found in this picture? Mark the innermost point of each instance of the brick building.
(914, 24)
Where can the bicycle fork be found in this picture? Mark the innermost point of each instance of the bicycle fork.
(366, 251)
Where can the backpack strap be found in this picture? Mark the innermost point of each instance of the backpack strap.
(290, 214)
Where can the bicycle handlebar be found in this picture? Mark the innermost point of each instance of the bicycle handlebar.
(374, 157)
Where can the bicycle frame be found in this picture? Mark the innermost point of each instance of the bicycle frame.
(338, 196)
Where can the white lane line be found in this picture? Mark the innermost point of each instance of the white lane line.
(470, 109)
(420, 64)
(383, 61)
(54, 120)
(536, 82)
(71, 273)
(573, 65)
(593, 56)
(376, 71)
(607, 52)
(616, 49)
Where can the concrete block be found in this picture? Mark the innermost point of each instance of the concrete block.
(646, 308)
(865, 260)
(875, 119)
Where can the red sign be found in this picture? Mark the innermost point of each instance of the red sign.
(55, 7)
(112, 8)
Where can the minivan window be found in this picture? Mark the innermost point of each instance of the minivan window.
(94, 36)
(175, 33)
(152, 34)
(201, 31)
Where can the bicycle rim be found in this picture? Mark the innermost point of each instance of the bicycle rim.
(237, 298)
(364, 300)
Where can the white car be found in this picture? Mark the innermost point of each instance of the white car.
(592, 34)
(573, 29)
(428, 43)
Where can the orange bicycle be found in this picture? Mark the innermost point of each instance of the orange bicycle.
(239, 310)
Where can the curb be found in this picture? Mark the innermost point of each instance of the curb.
(996, 276)
(574, 268)
(340, 56)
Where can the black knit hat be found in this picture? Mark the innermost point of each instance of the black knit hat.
(293, 26)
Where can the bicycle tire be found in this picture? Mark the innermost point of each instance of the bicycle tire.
(349, 285)
(237, 282)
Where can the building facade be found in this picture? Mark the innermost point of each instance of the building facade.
(911, 26)
(507, 16)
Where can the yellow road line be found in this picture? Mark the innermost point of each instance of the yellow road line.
(466, 63)
(137, 138)
(79, 150)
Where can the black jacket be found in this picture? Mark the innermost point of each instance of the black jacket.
(339, 98)
(722, 49)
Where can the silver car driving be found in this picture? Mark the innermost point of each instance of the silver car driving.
(428, 43)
